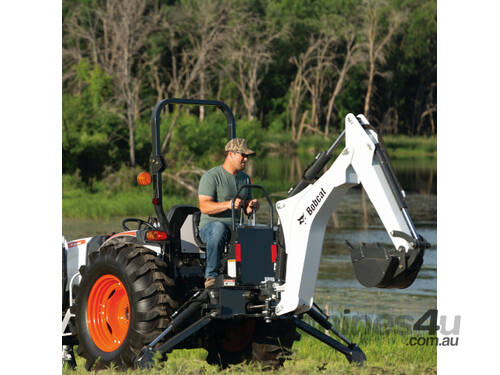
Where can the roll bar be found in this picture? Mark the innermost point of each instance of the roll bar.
(158, 163)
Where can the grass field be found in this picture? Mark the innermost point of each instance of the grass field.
(397, 145)
(386, 350)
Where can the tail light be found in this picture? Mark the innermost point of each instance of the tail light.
(274, 252)
(156, 235)
(238, 252)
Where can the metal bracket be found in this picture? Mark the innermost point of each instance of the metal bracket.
(157, 164)
(68, 315)
(65, 322)
(71, 288)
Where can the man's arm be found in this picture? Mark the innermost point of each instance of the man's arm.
(209, 207)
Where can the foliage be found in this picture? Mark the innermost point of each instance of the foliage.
(91, 135)
(198, 139)
(107, 96)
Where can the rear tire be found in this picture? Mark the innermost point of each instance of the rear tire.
(123, 303)
(272, 342)
(231, 342)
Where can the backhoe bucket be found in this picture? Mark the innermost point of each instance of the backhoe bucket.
(377, 267)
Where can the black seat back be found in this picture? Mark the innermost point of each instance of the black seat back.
(196, 230)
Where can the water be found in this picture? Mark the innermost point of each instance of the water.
(355, 220)
(337, 285)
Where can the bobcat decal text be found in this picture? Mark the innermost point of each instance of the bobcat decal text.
(315, 202)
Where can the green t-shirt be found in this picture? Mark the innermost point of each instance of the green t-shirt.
(222, 186)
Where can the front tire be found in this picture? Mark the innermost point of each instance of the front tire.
(123, 304)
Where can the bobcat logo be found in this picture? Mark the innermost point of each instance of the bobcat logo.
(302, 219)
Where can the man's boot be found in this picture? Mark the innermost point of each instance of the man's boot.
(209, 282)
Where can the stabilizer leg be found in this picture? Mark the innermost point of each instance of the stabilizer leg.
(145, 357)
(320, 318)
(352, 351)
(192, 307)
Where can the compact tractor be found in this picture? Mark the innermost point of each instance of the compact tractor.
(136, 295)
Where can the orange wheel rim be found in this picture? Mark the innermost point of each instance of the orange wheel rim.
(108, 313)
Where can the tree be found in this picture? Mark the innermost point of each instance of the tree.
(430, 110)
(247, 55)
(90, 134)
(418, 61)
(381, 22)
(351, 57)
(323, 68)
(192, 39)
(318, 72)
(297, 93)
(114, 35)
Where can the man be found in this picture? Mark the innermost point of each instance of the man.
(217, 188)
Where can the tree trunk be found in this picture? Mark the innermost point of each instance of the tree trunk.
(418, 104)
(252, 108)
(202, 94)
(348, 62)
(131, 138)
(369, 89)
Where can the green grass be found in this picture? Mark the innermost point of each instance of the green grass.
(403, 146)
(80, 203)
(398, 146)
(386, 350)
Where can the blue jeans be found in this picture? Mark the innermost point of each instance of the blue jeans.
(215, 234)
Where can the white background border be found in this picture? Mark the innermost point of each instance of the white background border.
(468, 183)
(30, 147)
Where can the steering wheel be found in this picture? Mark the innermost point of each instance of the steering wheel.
(139, 222)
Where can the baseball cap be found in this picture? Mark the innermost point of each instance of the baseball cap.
(238, 145)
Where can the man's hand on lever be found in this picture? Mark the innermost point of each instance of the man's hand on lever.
(252, 206)
(238, 203)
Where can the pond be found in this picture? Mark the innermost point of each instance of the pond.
(355, 220)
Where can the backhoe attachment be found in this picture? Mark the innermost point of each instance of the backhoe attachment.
(310, 204)
(375, 266)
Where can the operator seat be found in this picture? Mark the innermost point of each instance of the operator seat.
(183, 229)
(196, 230)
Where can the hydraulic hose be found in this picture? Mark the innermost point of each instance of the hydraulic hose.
(177, 322)
(312, 171)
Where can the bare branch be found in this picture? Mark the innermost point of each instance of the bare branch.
(114, 33)
(247, 55)
(377, 40)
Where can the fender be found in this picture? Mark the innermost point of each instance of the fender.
(128, 237)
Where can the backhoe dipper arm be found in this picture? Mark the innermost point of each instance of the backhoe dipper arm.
(305, 214)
